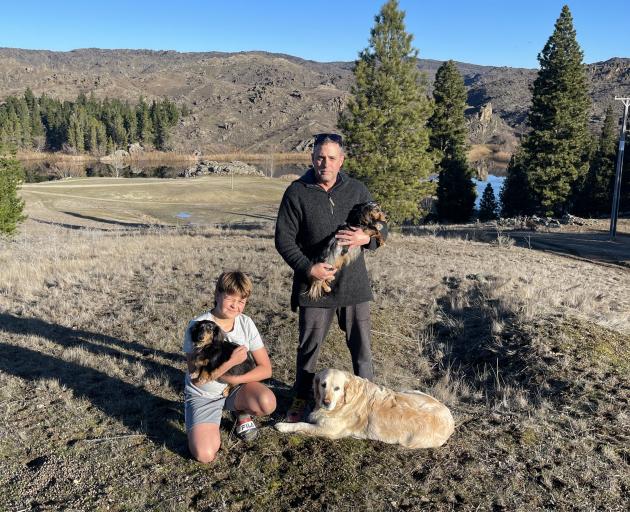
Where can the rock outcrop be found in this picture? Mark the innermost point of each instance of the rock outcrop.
(207, 167)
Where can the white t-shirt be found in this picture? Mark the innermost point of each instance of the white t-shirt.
(244, 333)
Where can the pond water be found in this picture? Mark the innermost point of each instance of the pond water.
(37, 172)
(494, 180)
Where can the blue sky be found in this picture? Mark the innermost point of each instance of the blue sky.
(500, 33)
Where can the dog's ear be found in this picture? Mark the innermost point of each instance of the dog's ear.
(194, 332)
(218, 336)
(349, 388)
(316, 391)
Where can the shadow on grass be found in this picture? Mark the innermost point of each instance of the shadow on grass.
(492, 360)
(109, 221)
(96, 343)
(132, 405)
(69, 226)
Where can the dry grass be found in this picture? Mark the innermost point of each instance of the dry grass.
(149, 201)
(165, 157)
(492, 153)
(529, 350)
(53, 157)
(293, 157)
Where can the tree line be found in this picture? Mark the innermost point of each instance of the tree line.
(397, 136)
(86, 125)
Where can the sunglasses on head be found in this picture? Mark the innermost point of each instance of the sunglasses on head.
(321, 138)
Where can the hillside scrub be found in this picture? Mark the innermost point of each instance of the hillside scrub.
(528, 350)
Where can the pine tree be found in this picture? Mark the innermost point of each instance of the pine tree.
(11, 176)
(488, 207)
(145, 125)
(384, 123)
(110, 147)
(26, 123)
(130, 122)
(160, 125)
(92, 145)
(37, 127)
(448, 123)
(76, 134)
(514, 195)
(119, 133)
(596, 194)
(456, 190)
(101, 138)
(556, 150)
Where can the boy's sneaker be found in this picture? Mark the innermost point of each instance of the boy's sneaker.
(298, 411)
(245, 428)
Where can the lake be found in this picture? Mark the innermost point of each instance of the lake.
(38, 171)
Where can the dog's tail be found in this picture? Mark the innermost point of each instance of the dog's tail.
(315, 292)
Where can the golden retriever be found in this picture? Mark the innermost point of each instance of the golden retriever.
(346, 405)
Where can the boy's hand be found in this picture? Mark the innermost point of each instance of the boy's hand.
(238, 356)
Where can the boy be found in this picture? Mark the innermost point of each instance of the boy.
(204, 401)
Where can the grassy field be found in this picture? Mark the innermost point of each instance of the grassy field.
(155, 201)
(530, 351)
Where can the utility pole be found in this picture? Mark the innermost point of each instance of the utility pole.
(617, 192)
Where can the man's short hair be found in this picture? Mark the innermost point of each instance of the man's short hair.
(234, 283)
(326, 138)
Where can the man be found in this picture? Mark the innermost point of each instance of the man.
(312, 208)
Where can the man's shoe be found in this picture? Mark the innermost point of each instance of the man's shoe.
(245, 428)
(298, 411)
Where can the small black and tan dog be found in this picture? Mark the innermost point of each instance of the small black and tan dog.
(366, 216)
(211, 350)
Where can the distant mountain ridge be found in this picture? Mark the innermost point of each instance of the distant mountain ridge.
(259, 101)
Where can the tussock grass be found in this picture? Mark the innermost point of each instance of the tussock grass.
(53, 157)
(528, 349)
(291, 157)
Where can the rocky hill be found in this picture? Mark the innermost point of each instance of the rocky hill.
(260, 102)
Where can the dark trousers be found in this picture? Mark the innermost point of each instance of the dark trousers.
(314, 325)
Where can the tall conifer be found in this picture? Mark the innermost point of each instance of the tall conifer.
(514, 196)
(11, 176)
(488, 207)
(384, 124)
(456, 190)
(557, 148)
(596, 194)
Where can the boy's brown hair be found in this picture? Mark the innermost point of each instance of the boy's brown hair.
(234, 283)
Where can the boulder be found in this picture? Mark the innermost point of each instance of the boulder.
(207, 167)
(304, 146)
(117, 156)
(135, 149)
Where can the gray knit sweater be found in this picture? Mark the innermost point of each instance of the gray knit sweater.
(307, 216)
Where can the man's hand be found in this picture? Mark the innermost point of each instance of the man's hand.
(353, 237)
(238, 356)
(321, 271)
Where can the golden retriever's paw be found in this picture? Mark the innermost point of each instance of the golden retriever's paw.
(284, 427)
